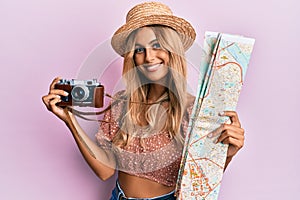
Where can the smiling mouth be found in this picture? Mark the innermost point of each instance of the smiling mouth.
(152, 68)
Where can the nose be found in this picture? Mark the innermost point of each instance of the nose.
(150, 55)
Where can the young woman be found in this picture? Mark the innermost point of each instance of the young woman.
(141, 136)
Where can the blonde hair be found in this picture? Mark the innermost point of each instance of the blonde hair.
(137, 90)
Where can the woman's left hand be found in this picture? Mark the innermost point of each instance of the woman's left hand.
(232, 134)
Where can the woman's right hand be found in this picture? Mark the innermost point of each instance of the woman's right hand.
(52, 98)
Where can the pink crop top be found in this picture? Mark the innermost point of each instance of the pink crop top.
(156, 158)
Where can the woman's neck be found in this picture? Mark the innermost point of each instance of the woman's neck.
(155, 92)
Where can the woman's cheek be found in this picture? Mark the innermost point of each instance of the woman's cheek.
(138, 59)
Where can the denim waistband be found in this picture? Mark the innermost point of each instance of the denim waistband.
(119, 194)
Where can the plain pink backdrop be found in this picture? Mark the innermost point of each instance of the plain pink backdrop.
(40, 40)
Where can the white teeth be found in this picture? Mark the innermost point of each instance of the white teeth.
(152, 67)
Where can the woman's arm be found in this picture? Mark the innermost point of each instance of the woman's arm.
(101, 161)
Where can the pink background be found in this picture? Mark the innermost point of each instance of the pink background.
(43, 39)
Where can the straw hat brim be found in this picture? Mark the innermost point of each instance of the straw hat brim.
(184, 28)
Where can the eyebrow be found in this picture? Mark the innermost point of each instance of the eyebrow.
(151, 42)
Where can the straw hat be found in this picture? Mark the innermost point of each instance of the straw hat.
(151, 13)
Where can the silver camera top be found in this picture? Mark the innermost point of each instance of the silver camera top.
(73, 82)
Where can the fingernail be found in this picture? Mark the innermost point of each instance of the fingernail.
(210, 135)
(66, 93)
(58, 96)
(221, 113)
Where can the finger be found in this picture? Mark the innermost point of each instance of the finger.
(53, 102)
(237, 133)
(233, 146)
(233, 117)
(58, 92)
(216, 132)
(223, 128)
(52, 85)
(47, 98)
(234, 142)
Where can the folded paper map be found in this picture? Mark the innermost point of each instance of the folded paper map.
(223, 69)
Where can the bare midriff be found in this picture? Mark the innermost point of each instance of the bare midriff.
(138, 187)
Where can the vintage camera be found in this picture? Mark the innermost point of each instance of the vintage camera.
(81, 93)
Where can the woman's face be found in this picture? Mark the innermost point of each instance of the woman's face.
(150, 58)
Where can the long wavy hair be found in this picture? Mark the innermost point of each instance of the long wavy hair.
(137, 90)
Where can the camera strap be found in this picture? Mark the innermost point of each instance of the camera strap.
(82, 114)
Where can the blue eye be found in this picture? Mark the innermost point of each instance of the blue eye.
(156, 46)
(139, 50)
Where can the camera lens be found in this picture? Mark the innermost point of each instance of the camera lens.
(80, 93)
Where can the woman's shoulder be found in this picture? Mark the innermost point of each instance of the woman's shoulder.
(120, 94)
(190, 102)
(190, 99)
(118, 98)
(118, 101)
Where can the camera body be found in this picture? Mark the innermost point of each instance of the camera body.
(84, 93)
